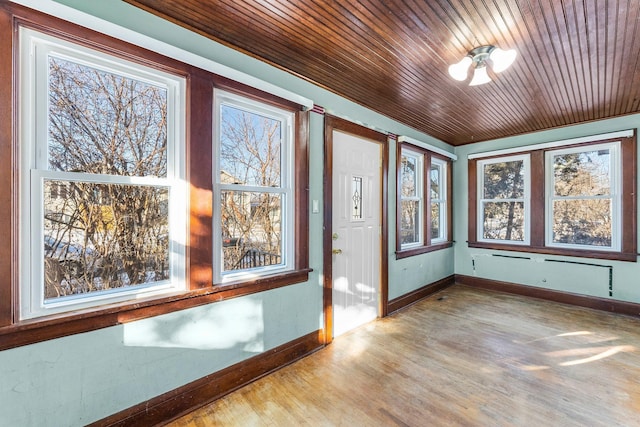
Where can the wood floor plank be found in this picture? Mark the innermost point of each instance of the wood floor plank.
(462, 357)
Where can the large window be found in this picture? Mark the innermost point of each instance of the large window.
(109, 209)
(583, 204)
(254, 184)
(503, 204)
(576, 198)
(424, 207)
(411, 199)
(100, 174)
(438, 198)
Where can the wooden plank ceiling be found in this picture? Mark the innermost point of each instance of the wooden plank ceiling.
(577, 60)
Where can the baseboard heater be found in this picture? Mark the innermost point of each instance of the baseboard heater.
(610, 267)
(581, 277)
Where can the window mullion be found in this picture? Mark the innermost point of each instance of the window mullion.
(426, 199)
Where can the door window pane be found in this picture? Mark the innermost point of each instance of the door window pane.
(356, 197)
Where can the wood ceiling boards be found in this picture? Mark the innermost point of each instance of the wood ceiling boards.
(577, 61)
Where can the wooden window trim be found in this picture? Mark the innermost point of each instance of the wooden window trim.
(198, 150)
(427, 246)
(628, 250)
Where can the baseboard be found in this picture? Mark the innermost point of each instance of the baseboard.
(423, 292)
(604, 304)
(171, 405)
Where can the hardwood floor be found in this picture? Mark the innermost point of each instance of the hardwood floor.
(462, 357)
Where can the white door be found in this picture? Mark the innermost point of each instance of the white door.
(355, 231)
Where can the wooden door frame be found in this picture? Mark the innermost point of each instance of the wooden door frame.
(332, 123)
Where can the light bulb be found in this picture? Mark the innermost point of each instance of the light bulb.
(460, 71)
(502, 59)
(480, 75)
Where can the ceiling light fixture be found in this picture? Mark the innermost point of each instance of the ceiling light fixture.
(478, 59)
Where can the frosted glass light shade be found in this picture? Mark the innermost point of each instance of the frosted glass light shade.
(502, 59)
(480, 76)
(460, 71)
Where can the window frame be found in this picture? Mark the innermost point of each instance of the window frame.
(35, 50)
(427, 244)
(614, 196)
(417, 197)
(539, 201)
(441, 200)
(286, 188)
(526, 199)
(200, 287)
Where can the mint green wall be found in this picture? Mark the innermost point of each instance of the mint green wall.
(82, 378)
(85, 377)
(409, 274)
(537, 271)
(79, 379)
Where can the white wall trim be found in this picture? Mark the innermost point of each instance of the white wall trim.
(612, 135)
(116, 31)
(427, 146)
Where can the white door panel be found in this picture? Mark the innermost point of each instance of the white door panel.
(356, 230)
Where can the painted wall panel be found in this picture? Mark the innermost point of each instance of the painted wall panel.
(82, 378)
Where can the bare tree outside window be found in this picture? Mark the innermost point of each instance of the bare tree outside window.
(503, 205)
(103, 235)
(582, 198)
(436, 177)
(410, 200)
(252, 210)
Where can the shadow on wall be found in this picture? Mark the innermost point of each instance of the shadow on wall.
(223, 325)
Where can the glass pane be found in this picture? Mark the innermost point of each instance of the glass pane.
(99, 237)
(409, 165)
(435, 221)
(503, 221)
(435, 181)
(504, 180)
(104, 123)
(356, 197)
(582, 174)
(410, 222)
(250, 147)
(251, 229)
(582, 222)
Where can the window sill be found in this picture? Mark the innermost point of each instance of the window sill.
(615, 256)
(60, 325)
(406, 253)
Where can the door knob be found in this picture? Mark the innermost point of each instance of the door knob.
(336, 251)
